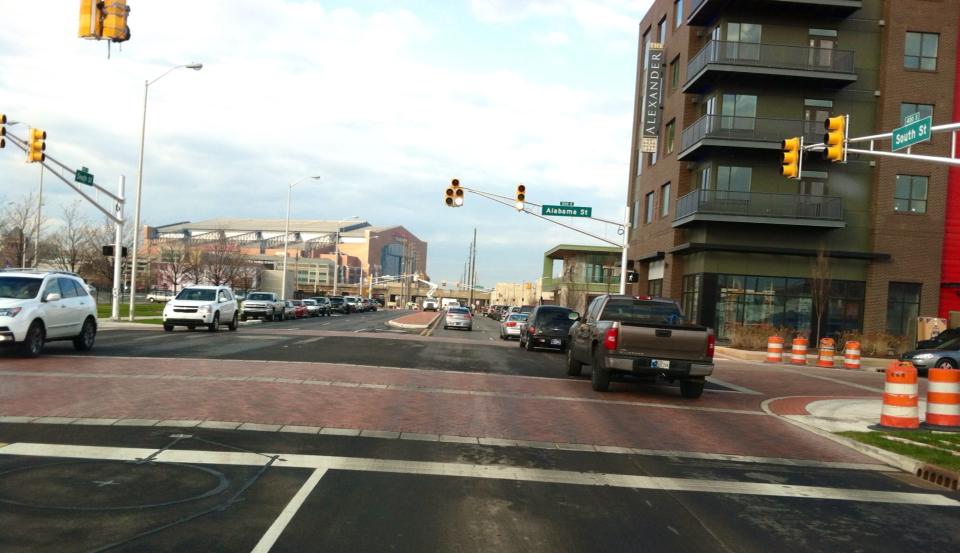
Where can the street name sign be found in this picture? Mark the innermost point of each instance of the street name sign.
(83, 176)
(566, 204)
(566, 211)
(915, 131)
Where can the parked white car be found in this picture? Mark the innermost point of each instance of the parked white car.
(160, 296)
(208, 306)
(42, 306)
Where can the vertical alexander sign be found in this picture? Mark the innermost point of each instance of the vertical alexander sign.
(652, 95)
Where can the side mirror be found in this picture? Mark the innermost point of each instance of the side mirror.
(52, 296)
(574, 316)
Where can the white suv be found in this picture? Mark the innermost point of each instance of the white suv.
(207, 306)
(42, 306)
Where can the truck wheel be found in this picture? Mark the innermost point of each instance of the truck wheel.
(33, 342)
(167, 327)
(600, 376)
(84, 341)
(691, 388)
(574, 367)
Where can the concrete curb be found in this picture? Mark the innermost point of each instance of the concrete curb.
(867, 364)
(395, 324)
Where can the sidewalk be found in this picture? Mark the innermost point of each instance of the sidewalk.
(869, 364)
(419, 320)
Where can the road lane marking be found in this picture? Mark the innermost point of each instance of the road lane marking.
(280, 524)
(493, 472)
(735, 387)
(311, 340)
(839, 381)
(391, 387)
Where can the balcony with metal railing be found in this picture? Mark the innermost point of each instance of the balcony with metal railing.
(746, 60)
(702, 12)
(759, 208)
(728, 131)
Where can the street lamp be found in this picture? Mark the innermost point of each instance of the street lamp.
(336, 262)
(136, 215)
(286, 237)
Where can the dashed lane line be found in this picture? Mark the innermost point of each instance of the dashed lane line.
(493, 472)
(268, 540)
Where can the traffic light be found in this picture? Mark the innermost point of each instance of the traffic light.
(790, 159)
(91, 20)
(454, 194)
(521, 196)
(835, 139)
(3, 130)
(115, 13)
(37, 146)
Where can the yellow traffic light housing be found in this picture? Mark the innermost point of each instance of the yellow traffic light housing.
(115, 14)
(521, 196)
(792, 157)
(36, 146)
(454, 194)
(91, 20)
(3, 130)
(835, 139)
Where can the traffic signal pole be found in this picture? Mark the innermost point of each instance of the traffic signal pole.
(117, 252)
(871, 141)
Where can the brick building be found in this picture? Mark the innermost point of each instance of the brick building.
(715, 225)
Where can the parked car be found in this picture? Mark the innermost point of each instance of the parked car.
(324, 306)
(430, 304)
(339, 305)
(160, 296)
(512, 325)
(313, 310)
(943, 337)
(458, 317)
(943, 356)
(206, 306)
(42, 306)
(353, 304)
(262, 305)
(374, 305)
(447, 303)
(644, 336)
(289, 310)
(300, 310)
(548, 327)
(527, 308)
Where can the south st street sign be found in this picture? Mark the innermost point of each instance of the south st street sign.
(653, 93)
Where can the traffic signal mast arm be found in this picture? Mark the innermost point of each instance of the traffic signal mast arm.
(491, 195)
(952, 128)
(23, 145)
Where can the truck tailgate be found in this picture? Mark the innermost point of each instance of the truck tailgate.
(663, 343)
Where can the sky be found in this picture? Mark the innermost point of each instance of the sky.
(386, 100)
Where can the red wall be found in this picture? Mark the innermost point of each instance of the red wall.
(950, 271)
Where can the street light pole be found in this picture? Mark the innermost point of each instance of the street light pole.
(136, 213)
(36, 243)
(286, 237)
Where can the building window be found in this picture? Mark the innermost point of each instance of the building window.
(822, 44)
(674, 73)
(648, 218)
(907, 109)
(662, 30)
(920, 51)
(815, 112)
(665, 201)
(655, 287)
(738, 111)
(703, 181)
(911, 194)
(677, 13)
(671, 135)
(903, 308)
(733, 183)
(743, 41)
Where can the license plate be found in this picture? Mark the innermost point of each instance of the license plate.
(660, 364)
(555, 342)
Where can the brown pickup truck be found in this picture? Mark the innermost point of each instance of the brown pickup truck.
(643, 336)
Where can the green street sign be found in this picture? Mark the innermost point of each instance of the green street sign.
(83, 176)
(915, 131)
(566, 211)
(566, 204)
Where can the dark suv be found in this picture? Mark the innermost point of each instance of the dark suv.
(547, 327)
(338, 305)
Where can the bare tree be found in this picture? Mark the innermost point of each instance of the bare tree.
(71, 248)
(820, 282)
(224, 262)
(194, 264)
(173, 263)
(97, 266)
(20, 218)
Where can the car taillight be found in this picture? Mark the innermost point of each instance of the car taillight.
(531, 330)
(511, 324)
(711, 345)
(611, 337)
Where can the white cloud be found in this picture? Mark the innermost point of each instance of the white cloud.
(554, 38)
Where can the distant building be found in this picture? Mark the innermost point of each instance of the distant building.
(585, 273)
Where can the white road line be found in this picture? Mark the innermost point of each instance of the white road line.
(280, 524)
(726, 384)
(839, 381)
(495, 472)
(311, 340)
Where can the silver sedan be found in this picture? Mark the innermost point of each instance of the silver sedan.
(511, 326)
(458, 317)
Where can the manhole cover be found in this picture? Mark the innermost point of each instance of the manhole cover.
(108, 485)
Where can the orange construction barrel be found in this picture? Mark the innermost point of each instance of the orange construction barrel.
(799, 353)
(774, 349)
(851, 355)
(943, 398)
(900, 402)
(826, 351)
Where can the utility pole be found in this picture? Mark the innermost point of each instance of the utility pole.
(36, 243)
(473, 265)
(117, 251)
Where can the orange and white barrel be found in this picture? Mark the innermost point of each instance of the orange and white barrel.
(798, 354)
(900, 402)
(851, 355)
(826, 351)
(774, 349)
(943, 398)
